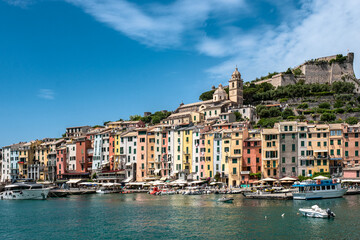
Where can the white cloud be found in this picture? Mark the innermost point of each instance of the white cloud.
(154, 24)
(327, 28)
(46, 94)
(20, 3)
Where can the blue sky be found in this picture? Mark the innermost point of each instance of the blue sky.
(82, 62)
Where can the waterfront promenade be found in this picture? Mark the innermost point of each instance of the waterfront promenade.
(143, 216)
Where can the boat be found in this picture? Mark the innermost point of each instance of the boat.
(24, 190)
(108, 188)
(319, 189)
(316, 212)
(226, 200)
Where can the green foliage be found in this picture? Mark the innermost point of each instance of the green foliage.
(358, 98)
(352, 120)
(93, 176)
(217, 177)
(310, 111)
(303, 106)
(325, 105)
(343, 97)
(338, 104)
(238, 116)
(96, 126)
(288, 112)
(270, 75)
(207, 95)
(63, 135)
(252, 89)
(316, 174)
(283, 100)
(343, 87)
(106, 122)
(256, 175)
(135, 117)
(156, 117)
(339, 59)
(339, 110)
(267, 122)
(328, 117)
(288, 71)
(297, 71)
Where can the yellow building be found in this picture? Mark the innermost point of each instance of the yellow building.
(318, 149)
(336, 149)
(187, 149)
(270, 152)
(209, 153)
(225, 154)
(235, 158)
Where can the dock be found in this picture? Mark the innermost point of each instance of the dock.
(269, 196)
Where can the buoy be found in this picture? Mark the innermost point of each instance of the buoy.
(265, 217)
(282, 215)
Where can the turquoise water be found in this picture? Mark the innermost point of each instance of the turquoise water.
(142, 216)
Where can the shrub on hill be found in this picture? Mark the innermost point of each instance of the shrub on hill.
(325, 105)
(303, 106)
(328, 117)
(352, 120)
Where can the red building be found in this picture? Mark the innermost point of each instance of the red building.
(111, 150)
(61, 162)
(83, 161)
(251, 162)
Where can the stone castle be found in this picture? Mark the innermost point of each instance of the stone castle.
(321, 70)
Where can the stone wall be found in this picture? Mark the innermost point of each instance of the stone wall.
(319, 71)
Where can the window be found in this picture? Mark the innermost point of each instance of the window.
(332, 152)
(356, 144)
(302, 153)
(293, 135)
(346, 144)
(309, 135)
(257, 160)
(283, 160)
(339, 142)
(248, 151)
(283, 169)
(237, 142)
(293, 169)
(338, 152)
(302, 143)
(285, 128)
(283, 136)
(318, 144)
(309, 144)
(234, 160)
(346, 153)
(293, 148)
(331, 142)
(356, 153)
(283, 147)
(293, 159)
(318, 162)
(248, 160)
(234, 170)
(290, 128)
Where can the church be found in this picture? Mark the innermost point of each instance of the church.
(219, 109)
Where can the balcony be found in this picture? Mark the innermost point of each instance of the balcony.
(245, 172)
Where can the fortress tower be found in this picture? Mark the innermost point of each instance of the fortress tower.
(236, 88)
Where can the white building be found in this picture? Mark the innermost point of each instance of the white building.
(101, 150)
(217, 152)
(128, 151)
(5, 165)
(71, 156)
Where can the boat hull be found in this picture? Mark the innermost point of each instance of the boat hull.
(314, 214)
(319, 194)
(25, 194)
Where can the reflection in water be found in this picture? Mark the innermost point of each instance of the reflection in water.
(145, 216)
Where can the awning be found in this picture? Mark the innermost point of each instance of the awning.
(73, 181)
(268, 180)
(163, 178)
(89, 183)
(320, 177)
(127, 180)
(320, 150)
(351, 180)
(128, 164)
(157, 171)
(287, 179)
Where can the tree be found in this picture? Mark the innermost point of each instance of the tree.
(106, 122)
(325, 105)
(135, 117)
(287, 113)
(274, 112)
(64, 135)
(303, 106)
(238, 116)
(338, 104)
(352, 120)
(343, 87)
(328, 117)
(207, 95)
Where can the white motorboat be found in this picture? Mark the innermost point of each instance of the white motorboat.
(24, 190)
(319, 189)
(316, 212)
(226, 200)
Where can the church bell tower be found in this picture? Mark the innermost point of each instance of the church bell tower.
(236, 88)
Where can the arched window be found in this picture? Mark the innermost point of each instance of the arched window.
(232, 84)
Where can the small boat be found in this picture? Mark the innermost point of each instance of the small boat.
(226, 200)
(316, 212)
(24, 190)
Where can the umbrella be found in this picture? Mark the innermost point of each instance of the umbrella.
(287, 179)
(268, 180)
(320, 177)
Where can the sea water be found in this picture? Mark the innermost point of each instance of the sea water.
(143, 216)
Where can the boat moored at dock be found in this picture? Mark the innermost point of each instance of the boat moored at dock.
(319, 189)
(24, 190)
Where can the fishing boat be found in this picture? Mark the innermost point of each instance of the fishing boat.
(316, 212)
(319, 189)
(24, 190)
(226, 200)
(108, 188)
